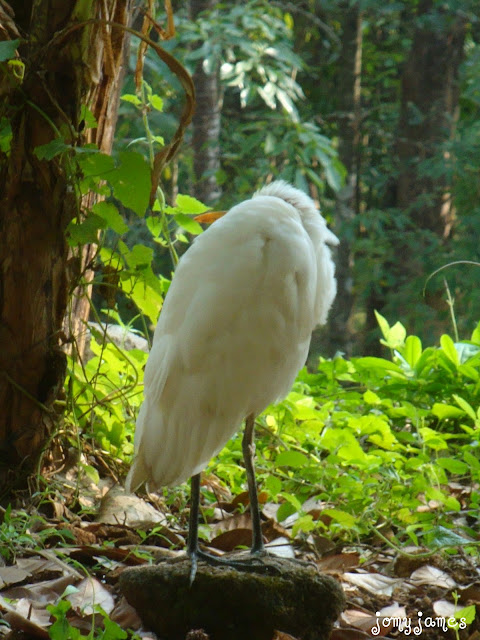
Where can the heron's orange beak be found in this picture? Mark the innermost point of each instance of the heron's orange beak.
(209, 217)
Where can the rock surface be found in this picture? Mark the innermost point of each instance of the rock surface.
(233, 604)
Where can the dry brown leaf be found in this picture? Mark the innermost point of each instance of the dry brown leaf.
(118, 507)
(125, 615)
(38, 616)
(444, 608)
(339, 562)
(470, 593)
(373, 582)
(432, 576)
(349, 634)
(90, 593)
(230, 540)
(24, 627)
(41, 593)
(12, 575)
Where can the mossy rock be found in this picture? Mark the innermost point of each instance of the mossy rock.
(229, 604)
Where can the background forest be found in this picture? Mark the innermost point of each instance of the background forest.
(373, 108)
(371, 465)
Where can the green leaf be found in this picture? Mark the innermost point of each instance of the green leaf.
(132, 99)
(371, 398)
(109, 212)
(442, 537)
(463, 404)
(130, 182)
(86, 232)
(371, 362)
(471, 461)
(340, 516)
(293, 459)
(8, 48)
(453, 465)
(156, 102)
(52, 149)
(449, 350)
(187, 223)
(467, 614)
(446, 411)
(476, 334)
(412, 350)
(383, 324)
(273, 485)
(188, 204)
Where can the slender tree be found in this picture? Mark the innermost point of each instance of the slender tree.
(206, 120)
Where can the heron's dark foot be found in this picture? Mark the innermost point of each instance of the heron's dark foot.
(253, 562)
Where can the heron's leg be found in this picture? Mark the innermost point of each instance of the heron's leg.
(192, 548)
(248, 448)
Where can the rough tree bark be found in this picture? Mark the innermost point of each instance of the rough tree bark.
(37, 201)
(206, 121)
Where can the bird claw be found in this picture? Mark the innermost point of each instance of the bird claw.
(253, 562)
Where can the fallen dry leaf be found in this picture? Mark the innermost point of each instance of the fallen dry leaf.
(373, 582)
(444, 608)
(432, 576)
(338, 563)
(90, 593)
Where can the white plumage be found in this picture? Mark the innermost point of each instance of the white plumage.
(234, 330)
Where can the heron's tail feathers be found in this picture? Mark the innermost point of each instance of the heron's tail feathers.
(137, 475)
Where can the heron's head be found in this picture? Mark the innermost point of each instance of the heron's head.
(305, 206)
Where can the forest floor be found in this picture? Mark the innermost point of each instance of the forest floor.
(59, 571)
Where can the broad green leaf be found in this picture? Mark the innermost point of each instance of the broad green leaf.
(448, 347)
(476, 334)
(371, 362)
(130, 181)
(440, 536)
(293, 459)
(187, 223)
(453, 465)
(52, 149)
(467, 614)
(340, 516)
(371, 398)
(109, 212)
(472, 461)
(86, 232)
(189, 204)
(156, 102)
(8, 48)
(132, 99)
(139, 256)
(292, 499)
(273, 485)
(412, 350)
(446, 411)
(463, 404)
(383, 324)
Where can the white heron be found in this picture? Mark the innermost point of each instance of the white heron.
(234, 330)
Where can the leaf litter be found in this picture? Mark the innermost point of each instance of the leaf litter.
(382, 586)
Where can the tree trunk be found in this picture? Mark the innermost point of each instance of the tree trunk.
(347, 205)
(38, 200)
(428, 111)
(429, 104)
(206, 120)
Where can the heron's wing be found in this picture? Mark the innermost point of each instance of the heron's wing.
(233, 332)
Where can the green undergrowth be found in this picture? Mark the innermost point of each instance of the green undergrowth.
(387, 446)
